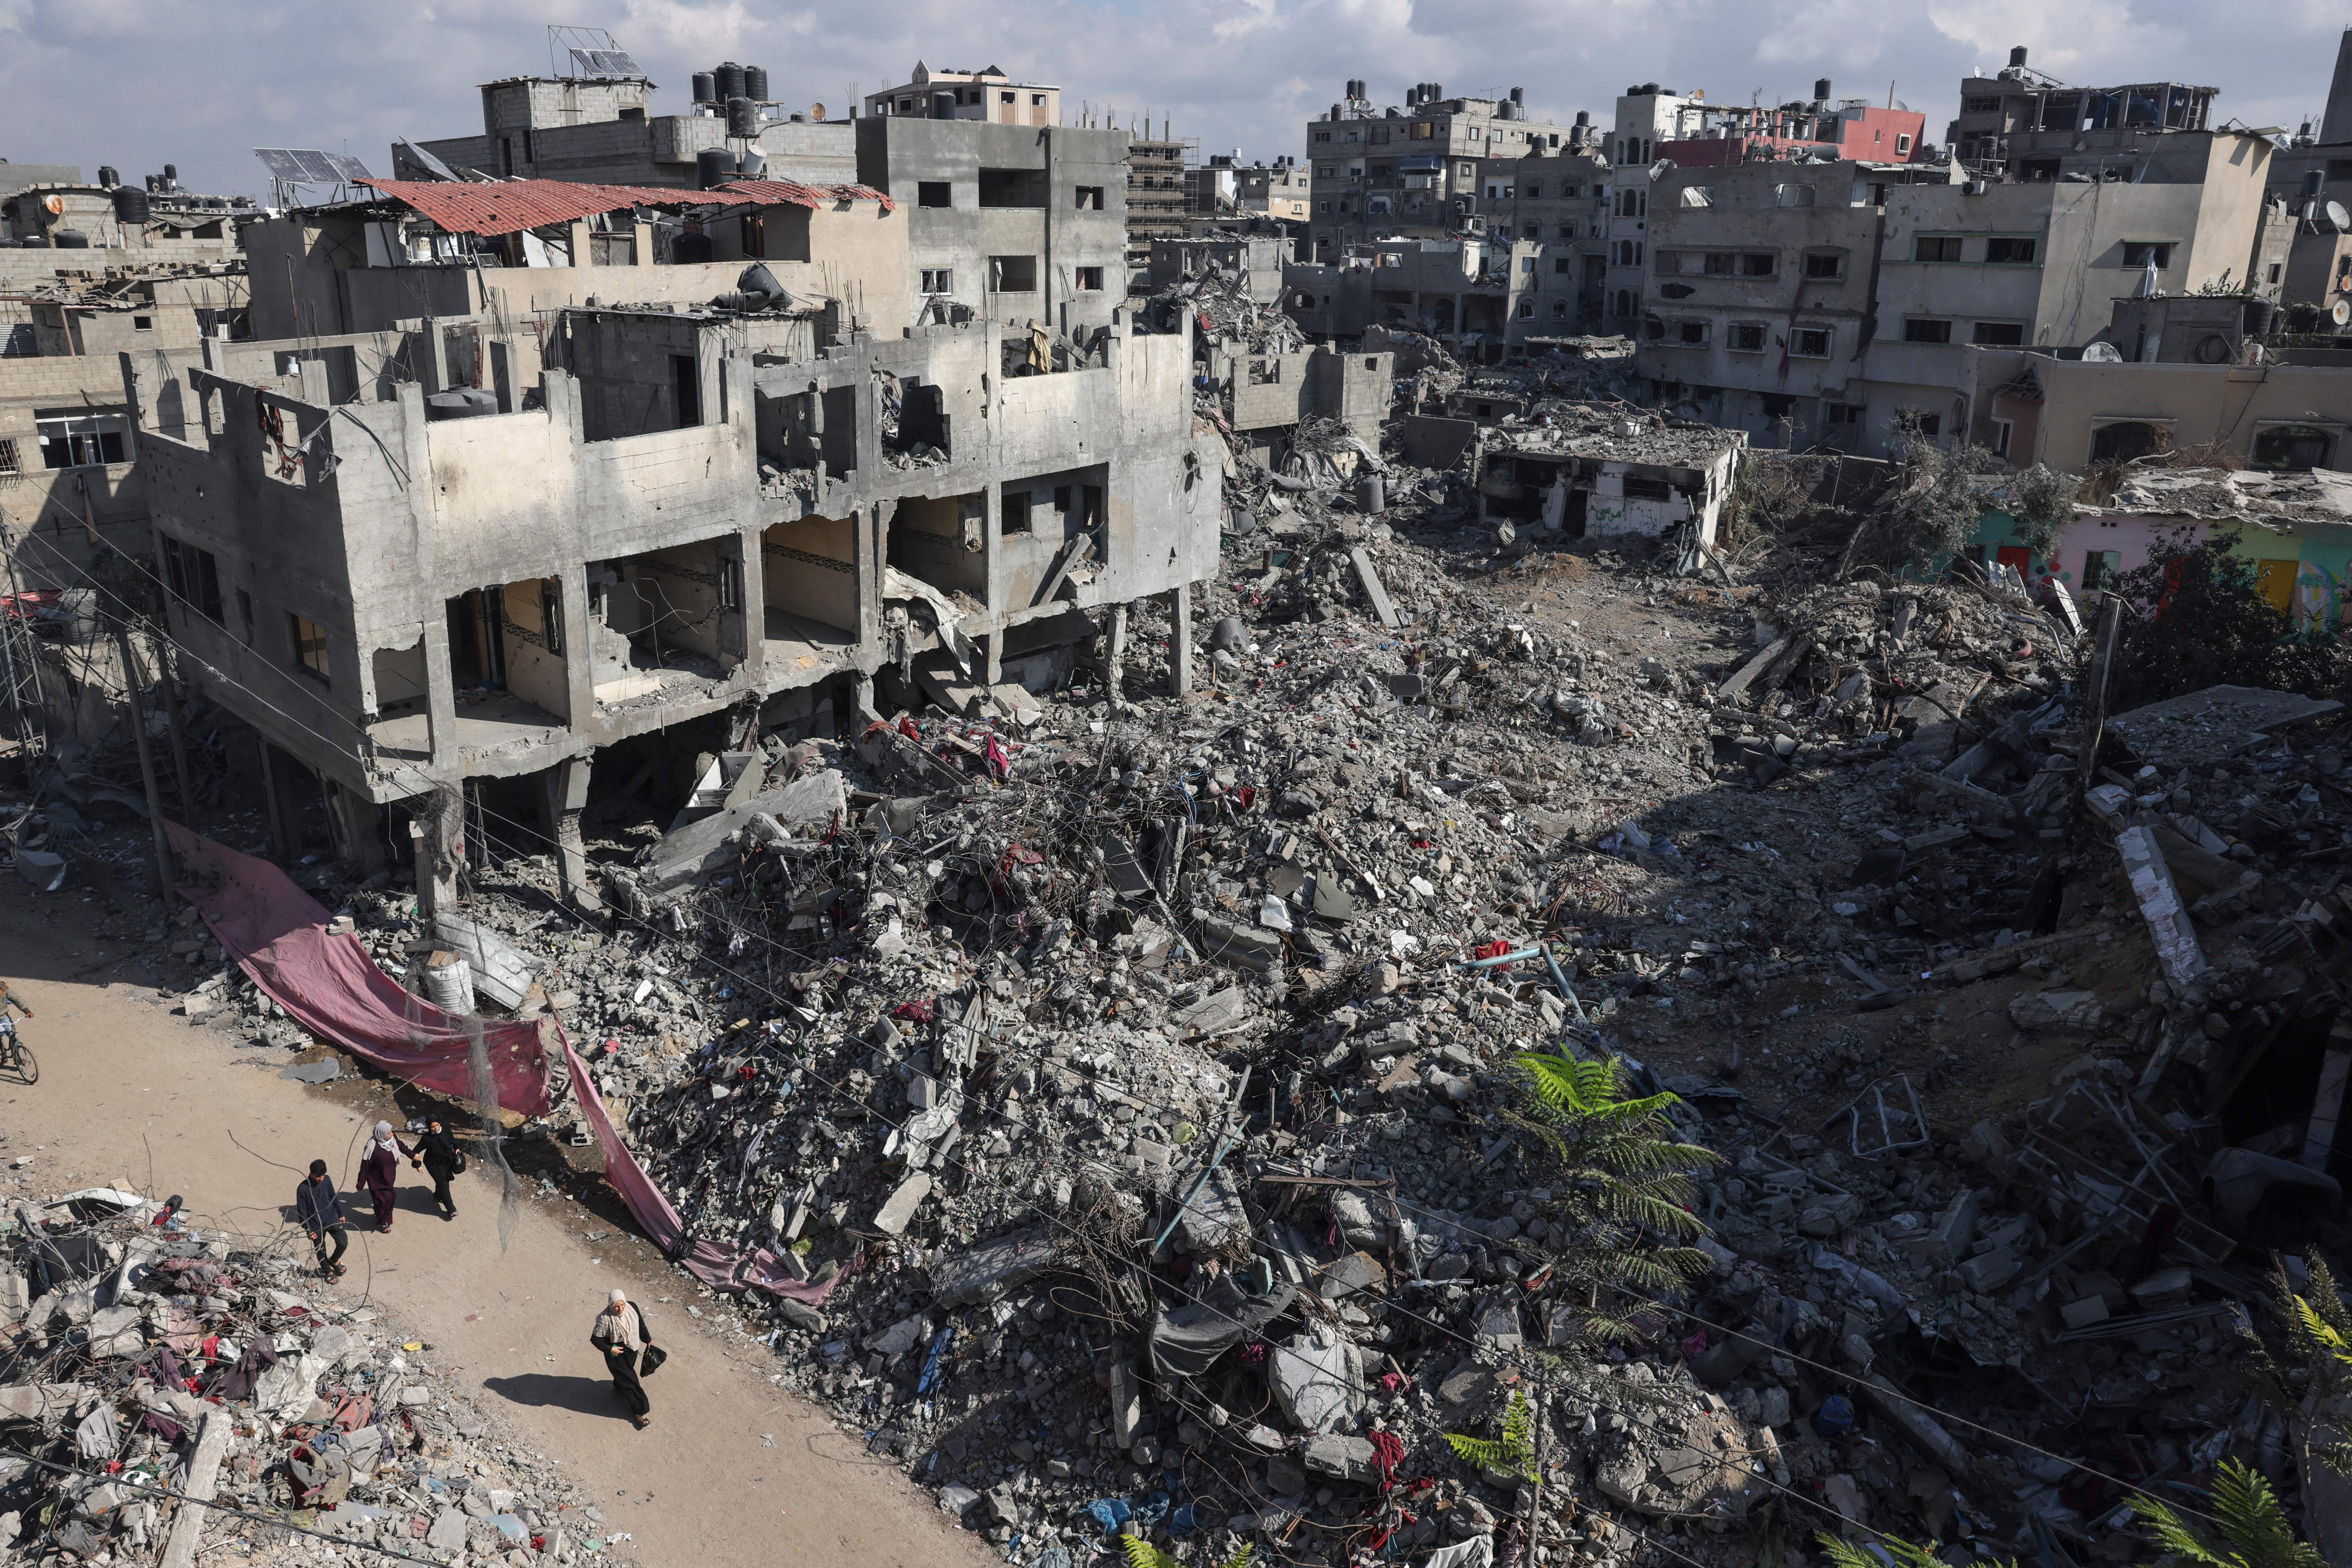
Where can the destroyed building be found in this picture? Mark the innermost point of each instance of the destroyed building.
(1159, 176)
(1597, 476)
(2022, 123)
(753, 507)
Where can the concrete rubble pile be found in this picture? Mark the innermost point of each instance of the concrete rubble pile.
(1124, 1081)
(148, 1360)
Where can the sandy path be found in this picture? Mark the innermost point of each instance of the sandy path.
(126, 1087)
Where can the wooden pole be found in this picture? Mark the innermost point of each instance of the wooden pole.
(146, 762)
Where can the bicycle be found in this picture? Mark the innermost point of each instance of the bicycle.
(16, 1056)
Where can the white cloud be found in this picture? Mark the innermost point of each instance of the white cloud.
(137, 83)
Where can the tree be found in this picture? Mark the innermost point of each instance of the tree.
(2040, 502)
(1932, 507)
(2198, 620)
(1621, 1184)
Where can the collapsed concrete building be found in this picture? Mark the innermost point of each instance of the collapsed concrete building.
(483, 550)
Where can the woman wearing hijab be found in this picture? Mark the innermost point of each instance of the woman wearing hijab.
(436, 1152)
(621, 1333)
(379, 1168)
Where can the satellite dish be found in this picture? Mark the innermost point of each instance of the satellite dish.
(2102, 354)
(56, 206)
(817, 112)
(2337, 218)
(2341, 313)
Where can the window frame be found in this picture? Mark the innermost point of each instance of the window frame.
(944, 189)
(309, 638)
(1836, 258)
(1932, 330)
(82, 442)
(2162, 247)
(2032, 244)
(1798, 334)
(1733, 331)
(1919, 242)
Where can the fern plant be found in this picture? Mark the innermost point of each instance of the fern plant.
(1622, 1185)
(1514, 1453)
(2318, 1328)
(1141, 1554)
(1844, 1554)
(2255, 1532)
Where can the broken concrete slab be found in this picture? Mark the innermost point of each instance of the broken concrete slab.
(1317, 1380)
(2160, 905)
(704, 847)
(500, 971)
(1375, 593)
(2212, 725)
(1340, 1457)
(897, 1210)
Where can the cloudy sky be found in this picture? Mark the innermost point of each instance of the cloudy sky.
(138, 83)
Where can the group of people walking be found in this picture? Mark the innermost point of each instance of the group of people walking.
(319, 1208)
(620, 1332)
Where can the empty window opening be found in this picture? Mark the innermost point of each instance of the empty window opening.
(1013, 274)
(934, 193)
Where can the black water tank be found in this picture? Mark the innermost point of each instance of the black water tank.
(755, 83)
(130, 204)
(2260, 315)
(170, 173)
(69, 239)
(2017, 57)
(730, 80)
(706, 87)
(1519, 95)
(686, 250)
(2314, 182)
(1821, 89)
(107, 177)
(713, 167)
(742, 118)
(1583, 116)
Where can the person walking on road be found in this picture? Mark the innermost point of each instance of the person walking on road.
(621, 1333)
(436, 1152)
(380, 1171)
(320, 1215)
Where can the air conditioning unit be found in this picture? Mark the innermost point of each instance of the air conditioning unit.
(1972, 187)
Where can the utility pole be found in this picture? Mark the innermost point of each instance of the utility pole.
(146, 762)
(174, 717)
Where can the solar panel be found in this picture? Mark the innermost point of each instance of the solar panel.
(426, 161)
(283, 162)
(605, 63)
(347, 168)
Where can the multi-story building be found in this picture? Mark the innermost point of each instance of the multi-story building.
(1761, 297)
(1010, 218)
(602, 130)
(1410, 172)
(2023, 124)
(469, 552)
(989, 95)
(2040, 262)
(1854, 129)
(1156, 179)
(1225, 187)
(1647, 115)
(1558, 200)
(1456, 288)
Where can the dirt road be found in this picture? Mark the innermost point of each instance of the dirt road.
(127, 1089)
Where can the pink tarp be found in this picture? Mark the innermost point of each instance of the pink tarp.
(329, 985)
(720, 1267)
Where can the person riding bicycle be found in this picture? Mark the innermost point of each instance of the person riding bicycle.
(10, 999)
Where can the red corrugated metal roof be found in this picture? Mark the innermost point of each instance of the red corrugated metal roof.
(509, 207)
(790, 192)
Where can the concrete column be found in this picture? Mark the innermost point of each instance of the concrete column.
(502, 373)
(359, 823)
(861, 699)
(579, 654)
(436, 829)
(1115, 650)
(282, 842)
(991, 660)
(564, 795)
(440, 694)
(1180, 639)
(644, 255)
(437, 357)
